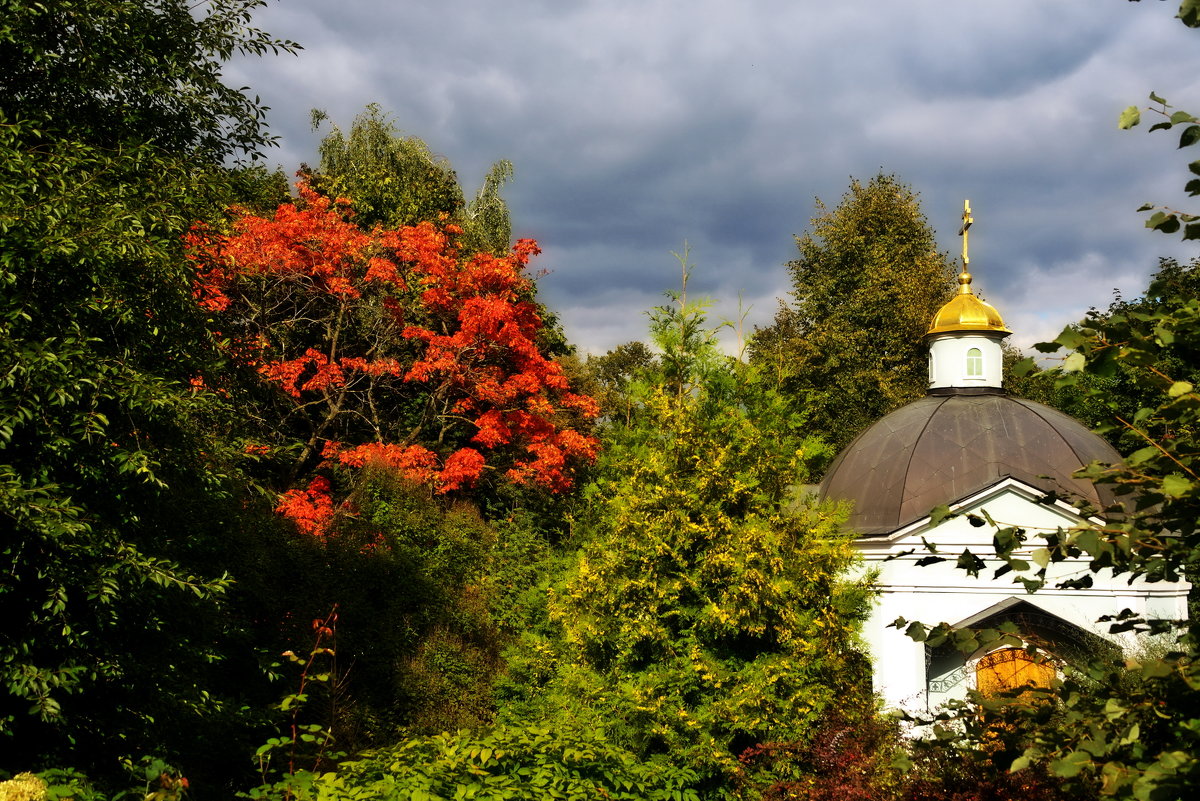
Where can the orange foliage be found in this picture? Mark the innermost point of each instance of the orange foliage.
(474, 318)
(314, 239)
(491, 359)
(311, 509)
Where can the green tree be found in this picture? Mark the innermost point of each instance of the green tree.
(116, 72)
(707, 612)
(485, 221)
(394, 180)
(615, 374)
(1111, 400)
(846, 344)
(115, 129)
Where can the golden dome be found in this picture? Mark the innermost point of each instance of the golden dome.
(965, 312)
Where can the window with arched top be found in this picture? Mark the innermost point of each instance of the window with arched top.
(974, 363)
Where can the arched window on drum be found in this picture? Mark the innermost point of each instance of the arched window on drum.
(974, 363)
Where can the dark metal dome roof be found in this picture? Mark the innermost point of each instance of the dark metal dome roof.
(943, 448)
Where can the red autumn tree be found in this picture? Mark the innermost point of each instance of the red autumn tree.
(389, 347)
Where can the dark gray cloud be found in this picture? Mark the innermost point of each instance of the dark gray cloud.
(638, 126)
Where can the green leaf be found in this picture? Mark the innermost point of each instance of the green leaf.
(1157, 669)
(1156, 99)
(1176, 485)
(1190, 136)
(1179, 388)
(1112, 776)
(969, 562)
(1087, 541)
(1175, 759)
(1162, 221)
(938, 514)
(1074, 363)
(1071, 764)
(1129, 118)
(1024, 367)
(1189, 13)
(1141, 455)
(1071, 338)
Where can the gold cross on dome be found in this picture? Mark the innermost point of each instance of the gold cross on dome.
(966, 226)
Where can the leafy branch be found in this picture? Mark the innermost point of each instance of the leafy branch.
(1163, 218)
(302, 735)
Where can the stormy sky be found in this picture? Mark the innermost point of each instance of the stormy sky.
(638, 125)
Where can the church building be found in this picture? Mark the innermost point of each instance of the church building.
(969, 445)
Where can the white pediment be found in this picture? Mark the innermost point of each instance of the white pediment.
(912, 588)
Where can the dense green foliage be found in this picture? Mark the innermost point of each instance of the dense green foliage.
(409, 576)
(680, 624)
(502, 763)
(612, 376)
(114, 130)
(1112, 400)
(706, 612)
(111, 73)
(846, 346)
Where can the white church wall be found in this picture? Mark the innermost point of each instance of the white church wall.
(942, 593)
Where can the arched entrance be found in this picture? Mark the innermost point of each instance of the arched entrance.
(949, 674)
(1011, 669)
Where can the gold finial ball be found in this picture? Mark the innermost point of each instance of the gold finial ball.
(964, 278)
